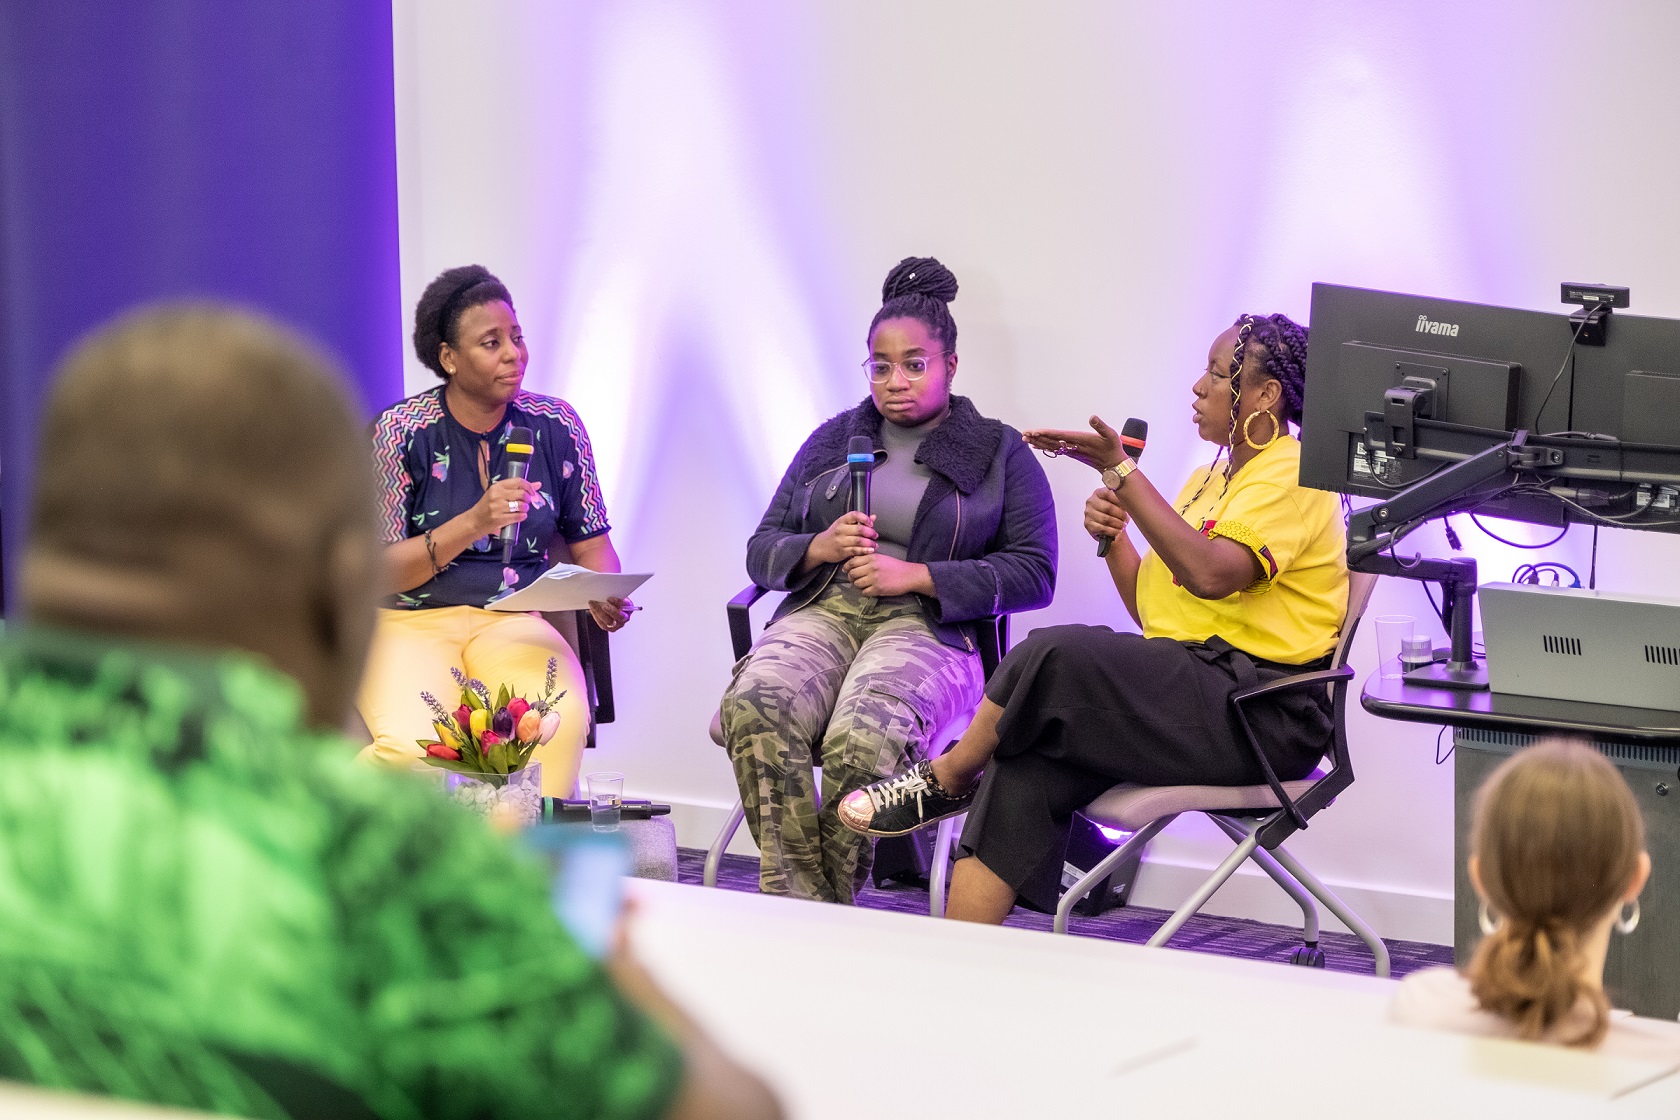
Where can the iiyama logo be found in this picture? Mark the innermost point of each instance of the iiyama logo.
(1426, 325)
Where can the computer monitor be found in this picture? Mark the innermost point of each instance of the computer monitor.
(1435, 406)
(1399, 387)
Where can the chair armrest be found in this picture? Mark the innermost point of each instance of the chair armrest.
(740, 618)
(1290, 683)
(594, 655)
(1337, 677)
(993, 631)
(993, 635)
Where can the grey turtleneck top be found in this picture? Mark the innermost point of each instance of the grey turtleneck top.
(897, 485)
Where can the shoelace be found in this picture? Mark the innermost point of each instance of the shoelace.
(901, 788)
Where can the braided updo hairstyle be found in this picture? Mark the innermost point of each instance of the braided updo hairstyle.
(1557, 836)
(919, 288)
(445, 300)
(1280, 345)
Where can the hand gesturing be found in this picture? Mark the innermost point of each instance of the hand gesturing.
(1099, 450)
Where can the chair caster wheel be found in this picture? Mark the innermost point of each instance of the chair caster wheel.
(1307, 956)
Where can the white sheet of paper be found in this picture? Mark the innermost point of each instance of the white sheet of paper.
(567, 587)
(1560, 1067)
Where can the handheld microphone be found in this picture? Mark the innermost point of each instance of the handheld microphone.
(1133, 435)
(860, 460)
(519, 452)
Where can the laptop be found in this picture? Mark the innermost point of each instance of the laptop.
(1593, 646)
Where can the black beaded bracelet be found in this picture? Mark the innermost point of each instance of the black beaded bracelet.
(431, 553)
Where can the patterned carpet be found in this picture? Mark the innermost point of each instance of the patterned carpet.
(1230, 937)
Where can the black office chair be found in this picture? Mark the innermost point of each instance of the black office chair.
(589, 642)
(594, 655)
(1257, 818)
(919, 857)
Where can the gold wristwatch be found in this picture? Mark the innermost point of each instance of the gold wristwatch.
(1115, 477)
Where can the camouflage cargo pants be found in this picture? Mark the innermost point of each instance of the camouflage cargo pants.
(856, 686)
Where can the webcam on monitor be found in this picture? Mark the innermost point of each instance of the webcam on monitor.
(1595, 295)
(1589, 324)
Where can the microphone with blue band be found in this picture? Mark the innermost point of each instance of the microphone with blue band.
(860, 460)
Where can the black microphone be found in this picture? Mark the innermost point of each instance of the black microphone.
(519, 451)
(1133, 435)
(860, 460)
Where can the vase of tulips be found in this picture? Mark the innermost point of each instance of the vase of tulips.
(485, 746)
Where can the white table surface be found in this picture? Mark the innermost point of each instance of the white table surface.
(866, 1013)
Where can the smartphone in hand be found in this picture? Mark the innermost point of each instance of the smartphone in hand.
(588, 885)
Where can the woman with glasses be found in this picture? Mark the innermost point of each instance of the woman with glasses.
(1245, 581)
(874, 648)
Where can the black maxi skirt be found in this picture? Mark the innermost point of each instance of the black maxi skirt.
(1085, 708)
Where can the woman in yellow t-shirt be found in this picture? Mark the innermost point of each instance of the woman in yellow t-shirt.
(1245, 581)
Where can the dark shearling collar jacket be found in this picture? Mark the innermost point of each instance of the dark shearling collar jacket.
(986, 526)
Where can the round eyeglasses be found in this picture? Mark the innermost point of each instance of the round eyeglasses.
(914, 369)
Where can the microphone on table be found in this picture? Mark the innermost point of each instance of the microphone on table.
(519, 451)
(1133, 435)
(860, 460)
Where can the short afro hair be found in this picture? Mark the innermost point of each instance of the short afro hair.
(445, 300)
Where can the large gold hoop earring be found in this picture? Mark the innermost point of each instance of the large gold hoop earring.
(1277, 429)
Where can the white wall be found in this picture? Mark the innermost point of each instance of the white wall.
(694, 202)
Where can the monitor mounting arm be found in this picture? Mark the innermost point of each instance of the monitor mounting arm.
(1375, 530)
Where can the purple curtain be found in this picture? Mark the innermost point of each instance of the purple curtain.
(175, 148)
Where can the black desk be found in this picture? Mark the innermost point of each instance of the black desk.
(1535, 715)
(1642, 972)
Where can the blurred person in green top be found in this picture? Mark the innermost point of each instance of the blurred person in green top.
(203, 902)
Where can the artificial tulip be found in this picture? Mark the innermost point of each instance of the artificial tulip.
(479, 722)
(530, 725)
(490, 739)
(502, 722)
(438, 750)
(550, 724)
(463, 716)
(517, 707)
(446, 734)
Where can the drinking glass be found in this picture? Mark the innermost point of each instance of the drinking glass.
(606, 800)
(1391, 630)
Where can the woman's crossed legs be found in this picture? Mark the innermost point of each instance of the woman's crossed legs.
(1072, 711)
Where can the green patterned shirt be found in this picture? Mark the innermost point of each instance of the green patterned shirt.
(189, 878)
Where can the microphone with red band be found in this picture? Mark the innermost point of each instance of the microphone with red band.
(1133, 435)
(519, 450)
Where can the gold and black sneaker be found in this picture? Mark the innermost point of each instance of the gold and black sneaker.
(900, 804)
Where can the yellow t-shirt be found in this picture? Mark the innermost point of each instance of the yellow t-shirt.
(1294, 613)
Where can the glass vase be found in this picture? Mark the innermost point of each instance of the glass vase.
(515, 798)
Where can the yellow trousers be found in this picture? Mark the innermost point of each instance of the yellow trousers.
(413, 652)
